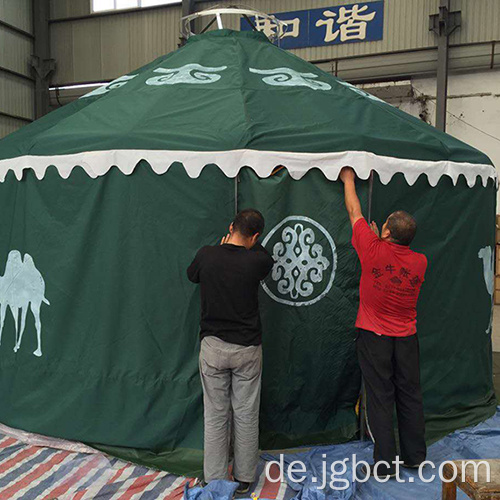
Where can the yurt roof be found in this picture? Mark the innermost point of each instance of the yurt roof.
(234, 99)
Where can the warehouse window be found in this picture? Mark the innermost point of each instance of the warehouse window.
(103, 5)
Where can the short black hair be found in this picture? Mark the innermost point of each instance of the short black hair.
(249, 222)
(402, 226)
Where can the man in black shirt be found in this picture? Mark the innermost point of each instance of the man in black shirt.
(231, 350)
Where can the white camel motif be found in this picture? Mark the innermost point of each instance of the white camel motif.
(488, 257)
(22, 286)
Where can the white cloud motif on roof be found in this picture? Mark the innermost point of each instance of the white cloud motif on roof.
(287, 77)
(115, 84)
(189, 73)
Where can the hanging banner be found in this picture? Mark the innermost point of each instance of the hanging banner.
(308, 305)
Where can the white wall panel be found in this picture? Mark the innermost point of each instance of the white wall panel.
(473, 108)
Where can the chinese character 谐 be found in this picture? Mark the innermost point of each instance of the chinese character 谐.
(352, 23)
(330, 35)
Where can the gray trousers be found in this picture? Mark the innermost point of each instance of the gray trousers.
(230, 376)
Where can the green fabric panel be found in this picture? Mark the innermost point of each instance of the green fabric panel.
(238, 109)
(311, 377)
(120, 337)
(454, 309)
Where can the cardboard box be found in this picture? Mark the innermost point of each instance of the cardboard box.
(497, 260)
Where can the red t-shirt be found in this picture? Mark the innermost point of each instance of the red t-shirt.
(391, 278)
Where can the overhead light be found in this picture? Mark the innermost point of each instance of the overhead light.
(79, 86)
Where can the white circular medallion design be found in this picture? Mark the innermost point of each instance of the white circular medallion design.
(305, 261)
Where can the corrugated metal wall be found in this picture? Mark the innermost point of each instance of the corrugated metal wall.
(91, 48)
(100, 48)
(69, 8)
(480, 21)
(16, 83)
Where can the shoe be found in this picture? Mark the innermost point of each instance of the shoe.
(411, 466)
(370, 473)
(242, 488)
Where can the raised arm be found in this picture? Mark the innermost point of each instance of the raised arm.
(352, 204)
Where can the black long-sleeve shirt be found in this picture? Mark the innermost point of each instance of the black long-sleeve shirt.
(229, 276)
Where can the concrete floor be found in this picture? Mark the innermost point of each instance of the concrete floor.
(496, 350)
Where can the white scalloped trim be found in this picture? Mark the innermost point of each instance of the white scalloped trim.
(97, 163)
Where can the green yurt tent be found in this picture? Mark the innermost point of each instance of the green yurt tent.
(105, 201)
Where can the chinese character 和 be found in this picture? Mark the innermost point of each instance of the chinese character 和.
(289, 28)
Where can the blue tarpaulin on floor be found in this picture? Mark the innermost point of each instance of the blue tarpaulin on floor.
(479, 442)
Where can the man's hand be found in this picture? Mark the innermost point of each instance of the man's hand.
(225, 239)
(347, 175)
(374, 228)
(352, 204)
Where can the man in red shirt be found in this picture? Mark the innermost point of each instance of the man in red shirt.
(387, 345)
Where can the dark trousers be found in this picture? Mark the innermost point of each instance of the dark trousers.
(391, 373)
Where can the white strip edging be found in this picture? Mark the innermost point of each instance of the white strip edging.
(97, 163)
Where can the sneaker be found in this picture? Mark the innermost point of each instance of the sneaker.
(242, 488)
(411, 466)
